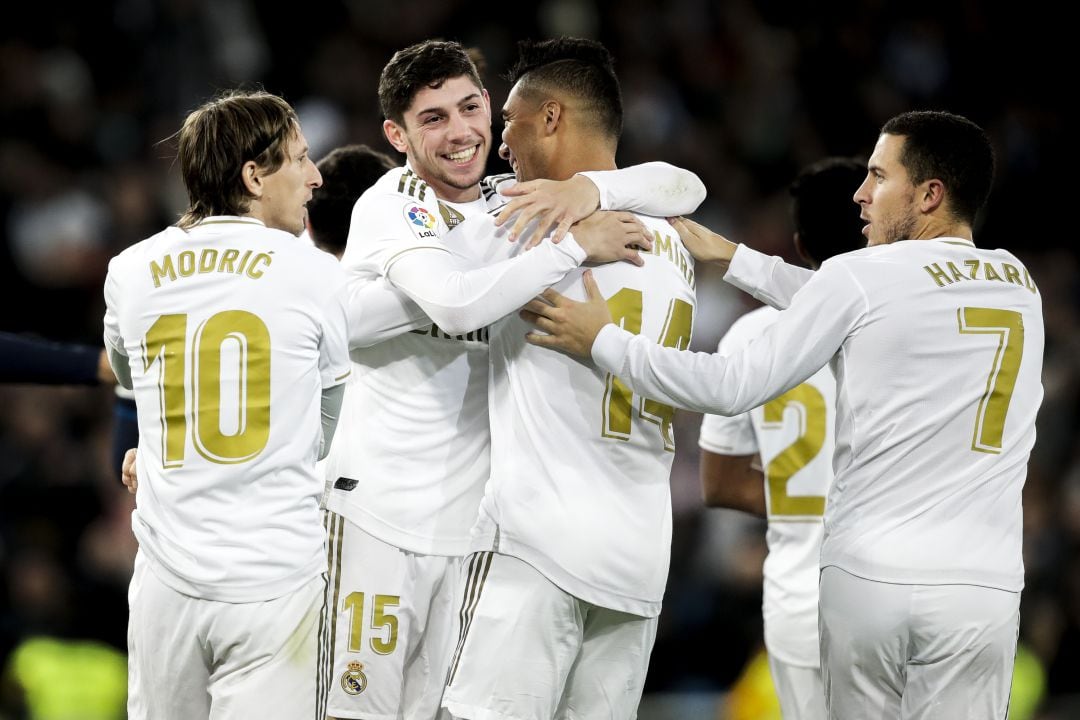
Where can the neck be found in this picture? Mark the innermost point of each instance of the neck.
(449, 193)
(935, 227)
(581, 153)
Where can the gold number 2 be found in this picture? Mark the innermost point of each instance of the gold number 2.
(810, 404)
(247, 339)
(1008, 325)
(626, 306)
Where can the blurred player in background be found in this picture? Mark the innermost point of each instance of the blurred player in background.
(776, 460)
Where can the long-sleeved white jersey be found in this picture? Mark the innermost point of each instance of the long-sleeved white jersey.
(937, 349)
(412, 450)
(231, 331)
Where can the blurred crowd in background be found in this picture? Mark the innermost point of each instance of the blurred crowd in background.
(743, 92)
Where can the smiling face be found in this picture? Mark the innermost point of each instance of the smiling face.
(286, 191)
(886, 197)
(446, 136)
(523, 121)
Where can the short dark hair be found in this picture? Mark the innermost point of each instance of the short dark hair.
(950, 148)
(426, 64)
(823, 210)
(347, 172)
(583, 68)
(219, 137)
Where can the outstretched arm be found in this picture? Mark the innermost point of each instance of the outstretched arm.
(768, 278)
(802, 340)
(459, 297)
(655, 188)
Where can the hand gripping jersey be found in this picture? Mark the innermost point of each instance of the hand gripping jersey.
(793, 434)
(231, 331)
(580, 465)
(939, 348)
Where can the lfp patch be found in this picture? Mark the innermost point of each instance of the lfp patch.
(420, 220)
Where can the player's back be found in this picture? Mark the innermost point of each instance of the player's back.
(231, 331)
(939, 387)
(580, 466)
(794, 436)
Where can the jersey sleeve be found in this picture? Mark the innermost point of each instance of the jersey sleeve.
(654, 188)
(387, 225)
(334, 363)
(730, 435)
(114, 341)
(800, 342)
(460, 294)
(379, 311)
(766, 277)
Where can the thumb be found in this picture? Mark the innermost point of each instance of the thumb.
(592, 290)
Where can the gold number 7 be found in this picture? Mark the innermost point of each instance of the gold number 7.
(1008, 325)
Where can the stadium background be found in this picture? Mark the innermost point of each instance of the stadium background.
(743, 92)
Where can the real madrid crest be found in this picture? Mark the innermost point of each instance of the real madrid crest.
(353, 680)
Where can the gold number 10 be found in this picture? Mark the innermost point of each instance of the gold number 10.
(166, 344)
(1008, 325)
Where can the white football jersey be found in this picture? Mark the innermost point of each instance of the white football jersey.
(411, 456)
(231, 330)
(414, 455)
(793, 434)
(580, 467)
(939, 349)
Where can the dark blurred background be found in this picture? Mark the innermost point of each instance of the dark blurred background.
(743, 92)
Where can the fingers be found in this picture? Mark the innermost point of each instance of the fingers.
(541, 323)
(127, 471)
(537, 307)
(519, 189)
(592, 290)
(553, 297)
(545, 341)
(561, 230)
(631, 255)
(509, 210)
(524, 218)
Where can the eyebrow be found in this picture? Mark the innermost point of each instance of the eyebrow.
(462, 101)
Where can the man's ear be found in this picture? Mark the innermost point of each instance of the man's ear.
(396, 135)
(932, 195)
(252, 178)
(552, 110)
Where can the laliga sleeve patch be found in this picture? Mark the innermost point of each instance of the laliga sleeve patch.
(421, 221)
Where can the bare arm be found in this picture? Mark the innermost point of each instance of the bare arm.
(733, 481)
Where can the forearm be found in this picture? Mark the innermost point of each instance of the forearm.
(654, 188)
(460, 300)
(767, 277)
(330, 411)
(704, 382)
(378, 311)
(120, 367)
(733, 481)
(32, 360)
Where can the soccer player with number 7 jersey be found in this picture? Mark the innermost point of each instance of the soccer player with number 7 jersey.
(230, 329)
(937, 347)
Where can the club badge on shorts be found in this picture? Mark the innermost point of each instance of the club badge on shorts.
(353, 680)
